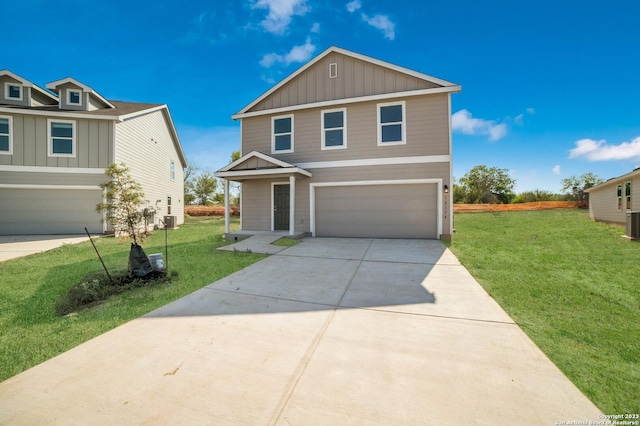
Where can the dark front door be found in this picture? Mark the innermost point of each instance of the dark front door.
(281, 207)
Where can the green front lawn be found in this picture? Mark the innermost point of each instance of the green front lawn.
(30, 288)
(572, 285)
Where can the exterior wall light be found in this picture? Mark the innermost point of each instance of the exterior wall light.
(446, 189)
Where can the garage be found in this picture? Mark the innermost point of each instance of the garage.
(26, 211)
(384, 210)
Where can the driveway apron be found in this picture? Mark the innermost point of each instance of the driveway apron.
(330, 331)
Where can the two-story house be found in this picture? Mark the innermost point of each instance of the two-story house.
(55, 145)
(347, 146)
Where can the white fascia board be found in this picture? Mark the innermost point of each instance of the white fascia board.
(58, 113)
(48, 187)
(615, 180)
(54, 86)
(43, 169)
(376, 162)
(323, 104)
(263, 172)
(22, 81)
(260, 155)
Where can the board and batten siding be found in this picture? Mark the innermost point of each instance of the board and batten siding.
(94, 143)
(427, 121)
(355, 78)
(146, 142)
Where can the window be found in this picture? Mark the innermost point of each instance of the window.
(282, 131)
(333, 70)
(6, 141)
(627, 194)
(168, 205)
(334, 128)
(74, 97)
(619, 197)
(172, 171)
(391, 124)
(13, 91)
(62, 138)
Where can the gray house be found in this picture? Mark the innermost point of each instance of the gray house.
(347, 146)
(56, 144)
(611, 201)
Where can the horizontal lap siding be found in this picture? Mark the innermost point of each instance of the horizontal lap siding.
(427, 133)
(603, 202)
(145, 144)
(38, 178)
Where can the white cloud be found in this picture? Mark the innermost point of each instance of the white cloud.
(297, 54)
(531, 111)
(556, 170)
(383, 23)
(519, 120)
(601, 151)
(463, 122)
(354, 5)
(280, 13)
(315, 29)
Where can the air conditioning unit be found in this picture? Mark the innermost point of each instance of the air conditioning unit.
(170, 221)
(633, 225)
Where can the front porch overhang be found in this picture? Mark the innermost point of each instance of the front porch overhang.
(272, 172)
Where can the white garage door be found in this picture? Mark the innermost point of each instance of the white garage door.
(377, 211)
(49, 211)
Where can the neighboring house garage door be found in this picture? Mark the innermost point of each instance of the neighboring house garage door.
(49, 211)
(377, 211)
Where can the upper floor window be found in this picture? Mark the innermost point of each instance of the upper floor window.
(172, 171)
(6, 140)
(334, 128)
(627, 194)
(391, 124)
(62, 140)
(74, 97)
(619, 197)
(13, 91)
(282, 134)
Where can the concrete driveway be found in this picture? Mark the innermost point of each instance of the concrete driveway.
(14, 246)
(331, 331)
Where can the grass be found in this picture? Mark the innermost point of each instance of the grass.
(572, 285)
(285, 242)
(32, 286)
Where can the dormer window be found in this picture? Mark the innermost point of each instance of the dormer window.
(13, 91)
(74, 97)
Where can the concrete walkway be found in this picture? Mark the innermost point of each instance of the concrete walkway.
(330, 331)
(14, 246)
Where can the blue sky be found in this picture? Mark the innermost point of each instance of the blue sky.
(550, 89)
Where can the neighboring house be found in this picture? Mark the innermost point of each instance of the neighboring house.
(610, 201)
(347, 146)
(55, 146)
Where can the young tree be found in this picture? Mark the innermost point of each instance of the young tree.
(575, 187)
(205, 187)
(124, 205)
(190, 175)
(484, 184)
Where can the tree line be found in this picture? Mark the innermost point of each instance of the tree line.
(202, 188)
(492, 185)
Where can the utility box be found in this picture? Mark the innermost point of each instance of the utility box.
(633, 225)
(170, 222)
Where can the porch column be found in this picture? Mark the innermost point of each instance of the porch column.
(292, 205)
(226, 206)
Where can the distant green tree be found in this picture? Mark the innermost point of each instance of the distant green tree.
(484, 184)
(235, 156)
(536, 195)
(204, 188)
(575, 187)
(190, 175)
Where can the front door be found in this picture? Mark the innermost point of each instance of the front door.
(281, 207)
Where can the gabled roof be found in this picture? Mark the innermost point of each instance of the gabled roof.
(444, 85)
(616, 180)
(27, 83)
(265, 166)
(54, 86)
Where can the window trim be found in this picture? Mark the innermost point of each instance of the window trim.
(619, 197)
(273, 134)
(333, 70)
(50, 152)
(10, 151)
(403, 123)
(627, 197)
(79, 92)
(7, 85)
(172, 171)
(323, 130)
